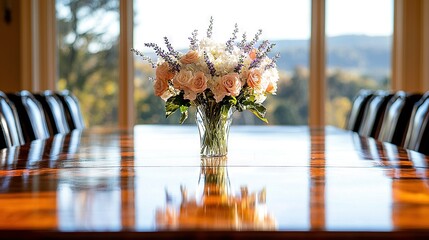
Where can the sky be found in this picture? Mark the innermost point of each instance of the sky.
(279, 19)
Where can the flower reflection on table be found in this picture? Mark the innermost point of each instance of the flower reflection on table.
(214, 206)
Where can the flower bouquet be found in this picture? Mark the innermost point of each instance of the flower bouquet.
(217, 79)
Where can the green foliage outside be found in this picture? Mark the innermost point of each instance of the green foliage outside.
(88, 56)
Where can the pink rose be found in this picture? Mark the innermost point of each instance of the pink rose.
(190, 57)
(198, 83)
(190, 95)
(254, 78)
(219, 92)
(164, 72)
(232, 84)
(160, 87)
(182, 80)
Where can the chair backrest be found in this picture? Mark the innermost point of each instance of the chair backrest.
(54, 112)
(418, 128)
(397, 116)
(31, 116)
(72, 110)
(10, 128)
(374, 113)
(423, 145)
(358, 108)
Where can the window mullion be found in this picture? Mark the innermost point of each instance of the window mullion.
(126, 66)
(317, 81)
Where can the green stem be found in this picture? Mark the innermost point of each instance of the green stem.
(214, 120)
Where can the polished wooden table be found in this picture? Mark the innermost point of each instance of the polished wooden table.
(277, 181)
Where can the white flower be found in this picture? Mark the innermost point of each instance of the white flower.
(272, 77)
(260, 98)
(167, 94)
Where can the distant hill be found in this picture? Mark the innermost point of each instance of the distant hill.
(367, 54)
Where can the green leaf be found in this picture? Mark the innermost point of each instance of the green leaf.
(171, 106)
(233, 100)
(256, 113)
(184, 111)
(258, 110)
(174, 103)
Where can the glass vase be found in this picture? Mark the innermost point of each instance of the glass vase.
(213, 121)
(213, 184)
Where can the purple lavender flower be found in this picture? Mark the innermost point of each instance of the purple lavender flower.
(263, 45)
(161, 53)
(243, 42)
(170, 48)
(229, 43)
(255, 63)
(273, 62)
(250, 45)
(209, 64)
(269, 48)
(240, 64)
(264, 50)
(146, 58)
(193, 40)
(210, 29)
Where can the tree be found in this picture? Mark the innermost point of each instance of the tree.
(88, 56)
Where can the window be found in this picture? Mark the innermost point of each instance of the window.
(358, 52)
(286, 23)
(88, 34)
(359, 39)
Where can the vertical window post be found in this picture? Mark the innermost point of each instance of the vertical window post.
(47, 45)
(410, 46)
(126, 66)
(26, 43)
(425, 41)
(38, 43)
(317, 81)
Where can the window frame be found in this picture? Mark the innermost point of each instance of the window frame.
(126, 109)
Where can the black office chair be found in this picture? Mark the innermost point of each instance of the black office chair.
(72, 110)
(395, 121)
(10, 128)
(31, 116)
(374, 113)
(418, 128)
(358, 108)
(423, 146)
(54, 112)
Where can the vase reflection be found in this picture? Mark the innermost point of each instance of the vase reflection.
(214, 206)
